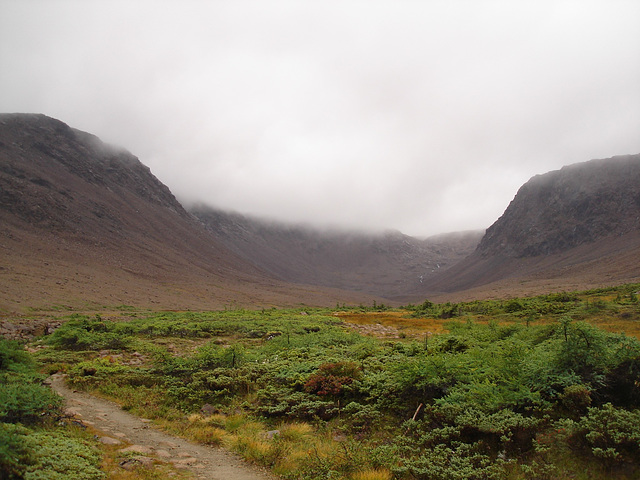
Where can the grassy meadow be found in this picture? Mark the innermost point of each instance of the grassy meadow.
(546, 387)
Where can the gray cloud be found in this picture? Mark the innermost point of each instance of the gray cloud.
(420, 116)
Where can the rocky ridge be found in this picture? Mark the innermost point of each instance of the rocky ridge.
(563, 209)
(575, 228)
(87, 224)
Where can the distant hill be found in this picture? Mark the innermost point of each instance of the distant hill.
(385, 264)
(578, 227)
(85, 223)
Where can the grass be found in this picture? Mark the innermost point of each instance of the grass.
(254, 367)
(375, 474)
(397, 320)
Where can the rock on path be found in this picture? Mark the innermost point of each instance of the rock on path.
(120, 427)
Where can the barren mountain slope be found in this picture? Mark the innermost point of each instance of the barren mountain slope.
(84, 223)
(386, 264)
(578, 227)
(578, 204)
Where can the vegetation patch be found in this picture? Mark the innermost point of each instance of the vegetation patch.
(528, 388)
(34, 445)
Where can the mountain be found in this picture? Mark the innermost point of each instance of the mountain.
(578, 227)
(385, 264)
(87, 224)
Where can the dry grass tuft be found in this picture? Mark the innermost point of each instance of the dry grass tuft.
(376, 474)
(253, 449)
(206, 434)
(295, 432)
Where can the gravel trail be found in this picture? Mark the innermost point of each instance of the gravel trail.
(138, 435)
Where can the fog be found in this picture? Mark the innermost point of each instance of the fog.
(424, 117)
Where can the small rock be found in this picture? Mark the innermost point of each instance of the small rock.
(109, 441)
(136, 462)
(138, 449)
(271, 434)
(145, 461)
(207, 410)
(339, 437)
(168, 444)
(163, 453)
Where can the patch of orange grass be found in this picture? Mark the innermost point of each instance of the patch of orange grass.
(414, 327)
(609, 324)
(630, 327)
(377, 474)
(397, 319)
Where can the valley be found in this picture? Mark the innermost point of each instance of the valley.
(510, 353)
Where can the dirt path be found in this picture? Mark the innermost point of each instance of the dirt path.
(119, 426)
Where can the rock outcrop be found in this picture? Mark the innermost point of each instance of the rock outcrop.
(575, 228)
(576, 205)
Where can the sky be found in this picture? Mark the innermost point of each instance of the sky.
(419, 116)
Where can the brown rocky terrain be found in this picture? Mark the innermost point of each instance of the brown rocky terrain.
(385, 264)
(575, 228)
(86, 225)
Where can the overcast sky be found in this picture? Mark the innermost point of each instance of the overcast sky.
(422, 116)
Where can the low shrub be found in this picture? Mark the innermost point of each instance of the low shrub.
(611, 433)
(56, 456)
(27, 403)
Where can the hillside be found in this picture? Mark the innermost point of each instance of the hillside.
(385, 264)
(576, 205)
(578, 227)
(87, 224)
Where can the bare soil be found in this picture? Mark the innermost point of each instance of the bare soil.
(139, 436)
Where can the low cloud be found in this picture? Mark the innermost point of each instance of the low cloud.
(424, 117)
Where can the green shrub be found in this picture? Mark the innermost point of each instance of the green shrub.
(27, 402)
(23, 398)
(611, 433)
(55, 456)
(13, 358)
(576, 399)
(459, 461)
(14, 452)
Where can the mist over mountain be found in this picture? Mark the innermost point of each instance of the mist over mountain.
(84, 223)
(578, 227)
(386, 264)
(52, 172)
(87, 224)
